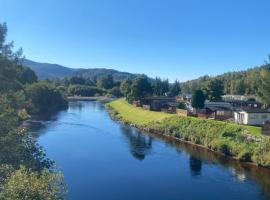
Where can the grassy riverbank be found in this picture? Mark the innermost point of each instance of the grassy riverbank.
(135, 115)
(241, 142)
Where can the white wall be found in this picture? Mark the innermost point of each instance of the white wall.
(251, 118)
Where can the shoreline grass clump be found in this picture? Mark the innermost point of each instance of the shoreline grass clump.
(244, 143)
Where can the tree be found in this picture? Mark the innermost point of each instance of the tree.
(84, 90)
(115, 91)
(77, 80)
(44, 98)
(140, 88)
(157, 87)
(214, 89)
(160, 87)
(27, 184)
(105, 82)
(174, 89)
(198, 99)
(264, 89)
(26, 172)
(125, 87)
(26, 75)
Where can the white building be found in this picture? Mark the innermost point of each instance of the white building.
(251, 117)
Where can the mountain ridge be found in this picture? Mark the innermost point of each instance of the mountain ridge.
(53, 71)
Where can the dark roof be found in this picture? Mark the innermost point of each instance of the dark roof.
(255, 111)
(242, 101)
(160, 98)
(217, 108)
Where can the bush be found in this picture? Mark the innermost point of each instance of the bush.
(115, 91)
(84, 90)
(44, 98)
(28, 185)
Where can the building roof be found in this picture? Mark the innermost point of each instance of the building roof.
(218, 106)
(160, 98)
(254, 111)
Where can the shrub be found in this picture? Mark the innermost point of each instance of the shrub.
(26, 184)
(84, 90)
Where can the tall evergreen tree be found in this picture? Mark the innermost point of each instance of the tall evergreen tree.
(214, 89)
(174, 89)
(264, 89)
(198, 99)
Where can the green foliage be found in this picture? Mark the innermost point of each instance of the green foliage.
(247, 82)
(105, 82)
(115, 91)
(160, 87)
(28, 185)
(44, 98)
(26, 75)
(125, 87)
(264, 88)
(84, 90)
(198, 99)
(77, 80)
(140, 88)
(214, 89)
(174, 89)
(25, 172)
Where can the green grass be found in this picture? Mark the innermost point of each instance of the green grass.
(136, 115)
(245, 143)
(139, 116)
(255, 130)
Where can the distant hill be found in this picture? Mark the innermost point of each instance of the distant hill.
(46, 70)
(95, 73)
(51, 71)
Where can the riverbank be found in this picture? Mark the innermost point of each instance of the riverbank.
(99, 98)
(243, 143)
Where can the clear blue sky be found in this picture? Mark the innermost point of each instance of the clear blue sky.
(180, 39)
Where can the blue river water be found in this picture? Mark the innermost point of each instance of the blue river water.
(102, 159)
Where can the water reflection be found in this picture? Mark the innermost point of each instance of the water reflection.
(80, 105)
(195, 166)
(200, 162)
(139, 144)
(238, 175)
(239, 171)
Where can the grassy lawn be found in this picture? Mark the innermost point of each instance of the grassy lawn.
(253, 129)
(137, 115)
(227, 138)
(140, 116)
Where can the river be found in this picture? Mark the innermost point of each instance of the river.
(102, 159)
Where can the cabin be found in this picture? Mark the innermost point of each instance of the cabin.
(251, 116)
(219, 110)
(159, 103)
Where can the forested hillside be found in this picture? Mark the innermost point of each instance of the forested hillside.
(246, 82)
(45, 70)
(53, 71)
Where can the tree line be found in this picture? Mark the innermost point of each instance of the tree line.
(132, 88)
(25, 172)
(254, 82)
